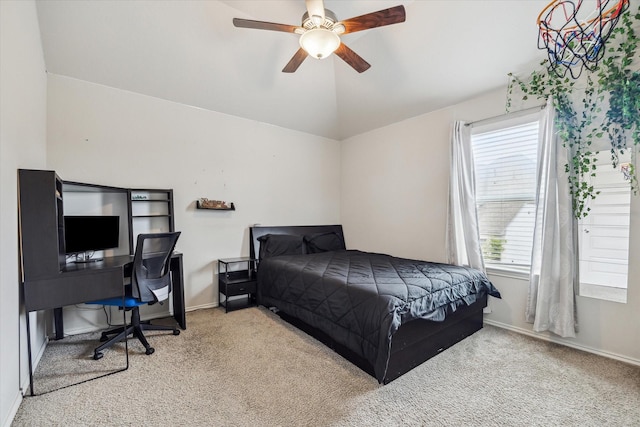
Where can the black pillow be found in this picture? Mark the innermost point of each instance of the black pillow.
(280, 244)
(324, 242)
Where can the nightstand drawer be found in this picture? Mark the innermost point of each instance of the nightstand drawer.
(239, 288)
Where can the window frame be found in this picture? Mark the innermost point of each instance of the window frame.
(519, 271)
(594, 286)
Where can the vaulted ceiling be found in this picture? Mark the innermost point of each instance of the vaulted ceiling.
(189, 52)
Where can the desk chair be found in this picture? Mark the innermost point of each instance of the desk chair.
(150, 283)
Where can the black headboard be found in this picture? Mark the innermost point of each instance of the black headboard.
(299, 230)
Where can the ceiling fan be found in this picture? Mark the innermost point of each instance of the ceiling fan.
(320, 33)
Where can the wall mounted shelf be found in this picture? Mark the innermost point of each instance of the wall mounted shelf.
(199, 205)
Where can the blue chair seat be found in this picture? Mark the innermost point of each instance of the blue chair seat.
(129, 302)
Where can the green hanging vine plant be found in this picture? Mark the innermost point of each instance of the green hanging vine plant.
(613, 86)
(618, 78)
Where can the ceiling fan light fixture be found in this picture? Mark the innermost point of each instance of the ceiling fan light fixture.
(319, 42)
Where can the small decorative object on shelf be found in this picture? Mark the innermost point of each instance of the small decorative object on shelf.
(139, 197)
(219, 205)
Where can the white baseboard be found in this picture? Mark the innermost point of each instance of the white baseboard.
(84, 330)
(554, 340)
(201, 306)
(14, 409)
(41, 350)
(151, 316)
(24, 387)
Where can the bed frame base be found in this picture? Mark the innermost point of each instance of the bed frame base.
(414, 343)
(420, 340)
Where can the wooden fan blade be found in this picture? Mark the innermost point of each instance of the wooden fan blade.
(352, 58)
(295, 62)
(315, 8)
(262, 25)
(393, 15)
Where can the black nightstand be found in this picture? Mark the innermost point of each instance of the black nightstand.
(237, 282)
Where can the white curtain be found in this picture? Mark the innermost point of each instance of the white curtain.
(551, 302)
(463, 237)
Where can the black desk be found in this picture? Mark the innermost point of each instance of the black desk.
(77, 283)
(83, 282)
(101, 275)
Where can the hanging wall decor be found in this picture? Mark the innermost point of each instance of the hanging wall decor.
(603, 103)
(575, 38)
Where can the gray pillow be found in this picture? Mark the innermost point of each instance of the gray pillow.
(280, 244)
(324, 242)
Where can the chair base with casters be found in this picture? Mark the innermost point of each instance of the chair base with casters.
(135, 328)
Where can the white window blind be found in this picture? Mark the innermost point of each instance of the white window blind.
(604, 233)
(505, 169)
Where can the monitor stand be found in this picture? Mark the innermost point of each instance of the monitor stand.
(86, 259)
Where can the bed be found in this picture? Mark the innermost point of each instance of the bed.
(385, 314)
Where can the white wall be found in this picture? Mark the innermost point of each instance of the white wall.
(390, 178)
(394, 200)
(274, 176)
(22, 145)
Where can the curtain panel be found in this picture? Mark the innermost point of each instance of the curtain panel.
(463, 236)
(551, 303)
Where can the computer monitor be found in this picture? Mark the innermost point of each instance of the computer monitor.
(86, 234)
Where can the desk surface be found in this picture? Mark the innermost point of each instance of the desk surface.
(105, 263)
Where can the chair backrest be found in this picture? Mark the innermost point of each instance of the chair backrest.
(151, 279)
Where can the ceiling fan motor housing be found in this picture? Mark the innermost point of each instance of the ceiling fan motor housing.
(329, 21)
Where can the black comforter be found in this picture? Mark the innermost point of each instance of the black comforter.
(360, 299)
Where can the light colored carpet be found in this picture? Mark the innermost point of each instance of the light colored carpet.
(70, 361)
(249, 368)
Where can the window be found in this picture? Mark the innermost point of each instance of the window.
(604, 233)
(505, 158)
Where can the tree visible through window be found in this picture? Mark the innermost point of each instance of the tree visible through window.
(505, 162)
